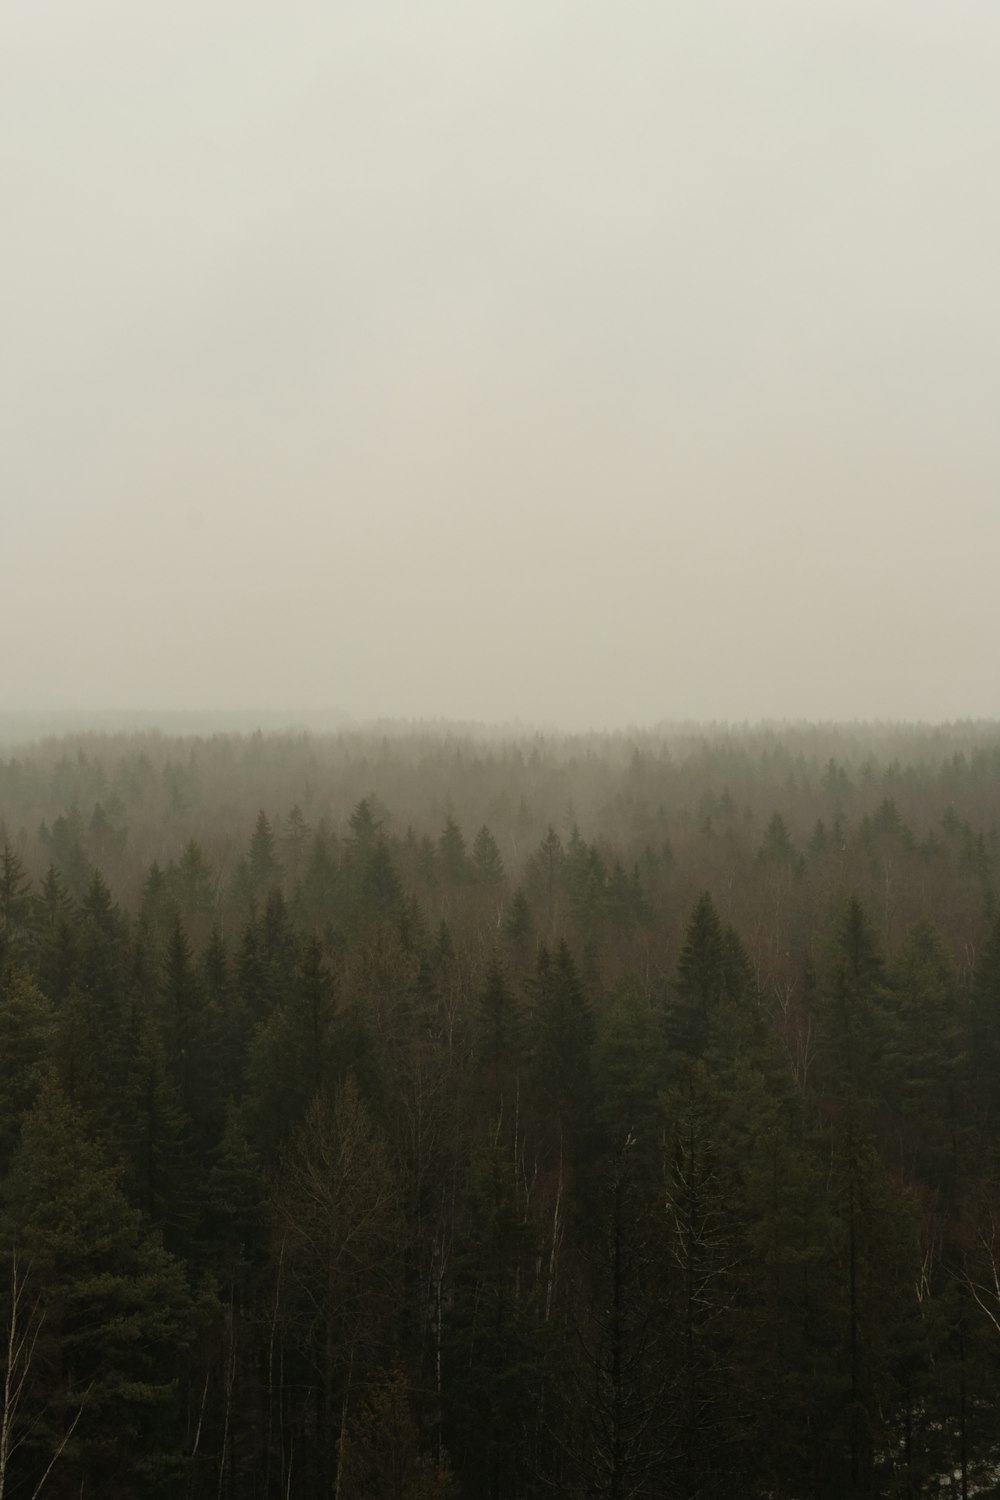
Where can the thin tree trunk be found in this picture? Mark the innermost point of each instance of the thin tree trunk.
(551, 1278)
(269, 1427)
(343, 1425)
(230, 1379)
(20, 1349)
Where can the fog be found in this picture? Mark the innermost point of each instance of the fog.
(548, 361)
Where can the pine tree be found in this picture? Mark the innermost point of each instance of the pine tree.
(519, 924)
(295, 841)
(452, 854)
(338, 1211)
(499, 1027)
(777, 847)
(118, 1315)
(852, 1017)
(27, 1028)
(235, 1202)
(492, 1355)
(984, 1028)
(563, 1034)
(294, 1056)
(487, 865)
(630, 1066)
(55, 948)
(924, 1058)
(700, 986)
(15, 907)
(184, 1028)
(192, 884)
(264, 866)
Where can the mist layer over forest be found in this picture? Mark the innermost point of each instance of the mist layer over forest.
(429, 1112)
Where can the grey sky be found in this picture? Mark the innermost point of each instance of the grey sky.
(576, 362)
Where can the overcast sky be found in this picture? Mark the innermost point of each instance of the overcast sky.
(580, 363)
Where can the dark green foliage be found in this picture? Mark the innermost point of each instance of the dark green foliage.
(380, 1450)
(27, 1029)
(191, 883)
(453, 856)
(777, 847)
(235, 1197)
(700, 987)
(158, 908)
(54, 941)
(382, 891)
(64, 848)
(318, 889)
(545, 875)
(853, 1034)
(631, 1063)
(493, 1332)
(519, 923)
(371, 889)
(500, 1028)
(295, 842)
(264, 865)
(15, 907)
(985, 1025)
(117, 1313)
(157, 1141)
(185, 1027)
(294, 1055)
(924, 1060)
(614, 1405)
(562, 1035)
(487, 865)
(650, 1159)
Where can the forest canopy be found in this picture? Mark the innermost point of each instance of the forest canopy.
(427, 1113)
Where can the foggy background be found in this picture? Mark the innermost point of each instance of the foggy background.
(553, 360)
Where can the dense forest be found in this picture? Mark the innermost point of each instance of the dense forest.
(425, 1114)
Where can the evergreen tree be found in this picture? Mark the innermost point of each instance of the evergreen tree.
(55, 947)
(265, 868)
(777, 847)
(184, 1028)
(295, 842)
(157, 1138)
(923, 1058)
(984, 1028)
(519, 924)
(294, 1057)
(319, 887)
(630, 1065)
(338, 1211)
(852, 1017)
(492, 1344)
(192, 884)
(700, 986)
(64, 847)
(615, 1402)
(235, 1203)
(118, 1315)
(15, 907)
(27, 1028)
(499, 1027)
(487, 865)
(452, 854)
(563, 1033)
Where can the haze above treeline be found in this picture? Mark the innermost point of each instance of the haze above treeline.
(334, 732)
(554, 364)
